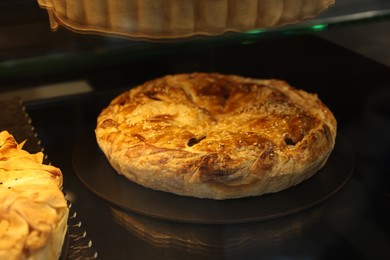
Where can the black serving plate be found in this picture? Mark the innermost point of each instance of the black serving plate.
(95, 172)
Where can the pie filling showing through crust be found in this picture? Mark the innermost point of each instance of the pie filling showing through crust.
(210, 135)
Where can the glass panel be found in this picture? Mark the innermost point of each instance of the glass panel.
(29, 46)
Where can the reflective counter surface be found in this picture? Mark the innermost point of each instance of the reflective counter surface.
(350, 224)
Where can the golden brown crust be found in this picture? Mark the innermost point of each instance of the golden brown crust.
(167, 19)
(216, 136)
(33, 210)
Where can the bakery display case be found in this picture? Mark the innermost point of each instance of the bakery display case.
(57, 74)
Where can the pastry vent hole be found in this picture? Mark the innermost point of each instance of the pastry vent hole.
(152, 95)
(289, 141)
(193, 141)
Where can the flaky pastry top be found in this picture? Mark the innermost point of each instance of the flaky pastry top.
(31, 202)
(225, 130)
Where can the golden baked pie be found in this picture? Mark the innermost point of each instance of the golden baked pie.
(33, 210)
(216, 136)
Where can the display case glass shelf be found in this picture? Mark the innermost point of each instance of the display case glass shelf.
(29, 46)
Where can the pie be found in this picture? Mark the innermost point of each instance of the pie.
(216, 136)
(33, 209)
(165, 19)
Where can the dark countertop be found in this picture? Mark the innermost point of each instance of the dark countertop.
(352, 224)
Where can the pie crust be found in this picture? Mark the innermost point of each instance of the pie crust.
(216, 136)
(33, 209)
(164, 19)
